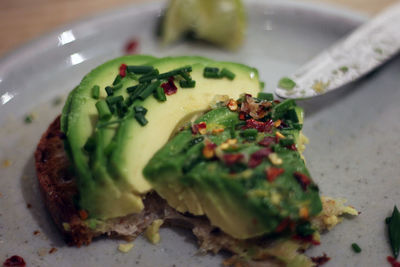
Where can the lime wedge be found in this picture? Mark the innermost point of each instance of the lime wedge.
(221, 22)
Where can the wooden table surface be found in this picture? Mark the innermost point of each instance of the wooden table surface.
(23, 20)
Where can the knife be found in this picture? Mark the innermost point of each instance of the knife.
(354, 56)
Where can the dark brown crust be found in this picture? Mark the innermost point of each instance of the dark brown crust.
(58, 187)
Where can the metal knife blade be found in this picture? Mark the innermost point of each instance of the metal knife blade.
(366, 48)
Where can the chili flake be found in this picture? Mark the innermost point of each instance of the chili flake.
(200, 128)
(209, 150)
(15, 261)
(259, 125)
(83, 214)
(231, 159)
(131, 46)
(122, 70)
(169, 87)
(393, 261)
(303, 180)
(273, 173)
(257, 157)
(267, 141)
(320, 259)
(232, 105)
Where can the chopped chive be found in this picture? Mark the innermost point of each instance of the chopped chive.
(109, 90)
(103, 110)
(249, 134)
(140, 109)
(141, 119)
(159, 94)
(148, 77)
(394, 231)
(105, 124)
(111, 100)
(149, 90)
(133, 76)
(186, 76)
(212, 75)
(139, 69)
(96, 92)
(174, 72)
(28, 119)
(117, 80)
(90, 144)
(279, 110)
(187, 84)
(356, 248)
(286, 83)
(117, 86)
(344, 69)
(265, 96)
(228, 74)
(132, 88)
(122, 109)
(262, 85)
(304, 229)
(210, 69)
(286, 141)
(140, 88)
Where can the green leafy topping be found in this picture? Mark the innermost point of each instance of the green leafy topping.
(215, 73)
(394, 231)
(96, 92)
(344, 69)
(304, 229)
(286, 83)
(187, 84)
(159, 94)
(356, 248)
(28, 119)
(103, 110)
(228, 74)
(265, 96)
(139, 69)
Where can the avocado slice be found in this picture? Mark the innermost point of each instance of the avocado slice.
(137, 144)
(97, 191)
(110, 179)
(243, 197)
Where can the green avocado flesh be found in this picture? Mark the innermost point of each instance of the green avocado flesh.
(109, 170)
(254, 182)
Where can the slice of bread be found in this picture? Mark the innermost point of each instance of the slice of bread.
(59, 190)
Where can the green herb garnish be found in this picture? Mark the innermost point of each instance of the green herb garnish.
(356, 248)
(139, 69)
(96, 92)
(228, 74)
(344, 69)
(187, 84)
(109, 90)
(28, 119)
(286, 83)
(159, 94)
(265, 96)
(104, 110)
(393, 223)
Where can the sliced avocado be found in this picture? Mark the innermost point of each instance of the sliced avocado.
(236, 197)
(137, 144)
(98, 193)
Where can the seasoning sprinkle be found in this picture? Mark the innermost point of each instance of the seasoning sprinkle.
(96, 92)
(103, 110)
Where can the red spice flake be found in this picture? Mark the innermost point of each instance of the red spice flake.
(282, 225)
(242, 115)
(292, 147)
(29, 205)
(231, 159)
(393, 261)
(52, 250)
(83, 214)
(277, 101)
(257, 157)
(259, 125)
(199, 128)
(209, 150)
(122, 70)
(320, 260)
(267, 141)
(303, 180)
(36, 232)
(273, 173)
(169, 87)
(308, 239)
(15, 260)
(131, 46)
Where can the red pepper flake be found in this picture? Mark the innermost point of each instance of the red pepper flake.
(131, 46)
(83, 214)
(259, 125)
(320, 260)
(267, 141)
(303, 180)
(36, 232)
(308, 239)
(277, 101)
(242, 115)
(292, 147)
(199, 128)
(273, 173)
(122, 70)
(52, 250)
(393, 261)
(231, 159)
(15, 261)
(29, 205)
(257, 157)
(282, 225)
(209, 150)
(169, 87)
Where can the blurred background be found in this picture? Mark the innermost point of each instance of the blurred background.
(23, 20)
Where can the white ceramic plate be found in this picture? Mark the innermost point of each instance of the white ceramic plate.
(354, 133)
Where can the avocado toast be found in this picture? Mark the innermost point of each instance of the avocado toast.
(234, 176)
